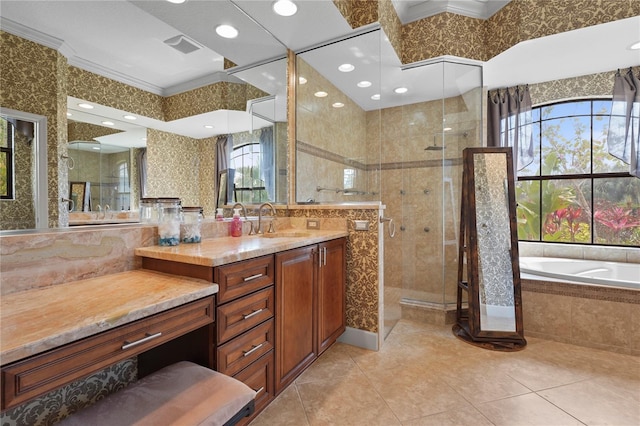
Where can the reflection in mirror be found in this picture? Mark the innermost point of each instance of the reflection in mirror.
(106, 157)
(495, 274)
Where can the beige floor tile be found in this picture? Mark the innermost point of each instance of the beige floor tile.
(285, 410)
(456, 417)
(412, 392)
(485, 384)
(423, 375)
(604, 400)
(325, 403)
(332, 364)
(529, 409)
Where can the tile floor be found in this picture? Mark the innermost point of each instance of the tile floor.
(423, 375)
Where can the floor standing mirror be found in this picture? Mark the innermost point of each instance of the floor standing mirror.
(488, 270)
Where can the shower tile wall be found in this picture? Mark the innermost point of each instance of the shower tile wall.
(421, 189)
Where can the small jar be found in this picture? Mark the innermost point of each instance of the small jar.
(191, 223)
(169, 224)
(149, 210)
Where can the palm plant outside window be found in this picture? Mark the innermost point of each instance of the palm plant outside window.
(574, 191)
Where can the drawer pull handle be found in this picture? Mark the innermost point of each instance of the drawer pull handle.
(148, 337)
(259, 390)
(247, 316)
(252, 277)
(252, 350)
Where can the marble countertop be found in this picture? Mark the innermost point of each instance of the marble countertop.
(35, 321)
(223, 250)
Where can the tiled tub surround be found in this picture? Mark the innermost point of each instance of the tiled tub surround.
(586, 315)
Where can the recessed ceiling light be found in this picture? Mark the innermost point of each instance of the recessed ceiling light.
(346, 68)
(226, 31)
(446, 129)
(401, 90)
(69, 114)
(85, 106)
(376, 97)
(285, 8)
(108, 123)
(302, 80)
(338, 105)
(97, 148)
(320, 94)
(635, 46)
(177, 1)
(208, 126)
(364, 83)
(130, 117)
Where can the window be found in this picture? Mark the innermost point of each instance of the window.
(574, 191)
(6, 159)
(249, 187)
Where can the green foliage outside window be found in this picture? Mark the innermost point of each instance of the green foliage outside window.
(575, 191)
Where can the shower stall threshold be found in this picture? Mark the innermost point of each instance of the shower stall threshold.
(428, 312)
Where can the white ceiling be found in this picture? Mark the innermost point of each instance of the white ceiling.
(124, 40)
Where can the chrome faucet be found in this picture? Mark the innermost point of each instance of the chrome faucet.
(273, 211)
(244, 213)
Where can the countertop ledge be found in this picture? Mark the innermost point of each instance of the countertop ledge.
(38, 320)
(224, 250)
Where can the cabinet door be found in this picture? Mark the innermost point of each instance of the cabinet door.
(295, 313)
(331, 292)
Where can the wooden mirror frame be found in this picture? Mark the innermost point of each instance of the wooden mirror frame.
(468, 325)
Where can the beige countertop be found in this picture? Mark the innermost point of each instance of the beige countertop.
(35, 321)
(223, 250)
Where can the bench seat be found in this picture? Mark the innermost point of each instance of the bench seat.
(181, 394)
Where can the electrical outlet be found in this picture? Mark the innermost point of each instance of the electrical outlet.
(362, 225)
(313, 223)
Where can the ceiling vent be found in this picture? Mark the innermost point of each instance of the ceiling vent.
(183, 44)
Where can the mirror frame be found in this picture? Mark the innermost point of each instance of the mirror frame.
(225, 188)
(468, 326)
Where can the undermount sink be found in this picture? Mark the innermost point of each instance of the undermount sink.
(286, 234)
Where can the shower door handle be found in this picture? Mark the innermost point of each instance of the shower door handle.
(391, 226)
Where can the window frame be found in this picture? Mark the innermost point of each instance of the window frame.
(590, 177)
(9, 152)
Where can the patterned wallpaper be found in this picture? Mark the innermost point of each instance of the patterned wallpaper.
(77, 131)
(54, 406)
(183, 167)
(452, 34)
(19, 213)
(362, 264)
(104, 91)
(216, 96)
(29, 76)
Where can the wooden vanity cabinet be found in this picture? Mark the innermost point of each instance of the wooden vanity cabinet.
(310, 303)
(245, 311)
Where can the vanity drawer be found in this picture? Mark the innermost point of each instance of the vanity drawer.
(234, 318)
(42, 373)
(259, 377)
(238, 353)
(240, 278)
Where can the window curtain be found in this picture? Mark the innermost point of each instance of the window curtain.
(267, 159)
(141, 160)
(224, 146)
(509, 123)
(623, 138)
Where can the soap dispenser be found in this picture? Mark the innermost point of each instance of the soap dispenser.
(236, 224)
(219, 215)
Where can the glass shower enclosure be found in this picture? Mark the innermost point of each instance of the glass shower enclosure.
(393, 134)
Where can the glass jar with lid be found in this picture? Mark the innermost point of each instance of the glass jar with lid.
(149, 210)
(169, 223)
(191, 224)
